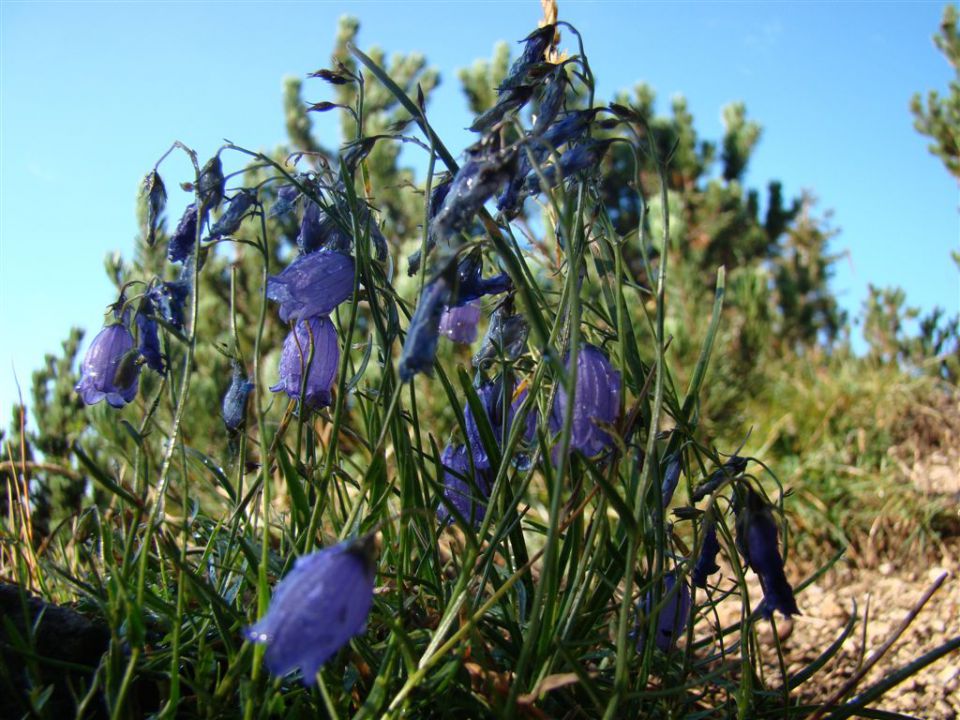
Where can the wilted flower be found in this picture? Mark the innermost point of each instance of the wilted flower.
(148, 343)
(506, 336)
(156, 194)
(585, 156)
(420, 345)
(674, 613)
(109, 369)
(438, 193)
(706, 564)
(552, 100)
(596, 401)
(475, 183)
(312, 284)
(286, 200)
(671, 477)
(315, 610)
(458, 491)
(169, 299)
(731, 468)
(319, 336)
(570, 127)
(535, 45)
(509, 101)
(211, 184)
(460, 323)
(184, 237)
(234, 404)
(757, 542)
(491, 399)
(237, 209)
(471, 285)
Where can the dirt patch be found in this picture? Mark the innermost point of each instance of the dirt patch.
(887, 594)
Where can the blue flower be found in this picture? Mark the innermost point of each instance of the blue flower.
(506, 336)
(552, 100)
(110, 370)
(470, 284)
(706, 564)
(312, 284)
(286, 200)
(169, 298)
(570, 127)
(184, 237)
(320, 231)
(156, 194)
(491, 398)
(317, 608)
(534, 46)
(757, 542)
(460, 323)
(149, 339)
(730, 469)
(316, 334)
(211, 184)
(585, 156)
(438, 193)
(671, 477)
(458, 491)
(509, 101)
(420, 345)
(234, 404)
(237, 209)
(596, 402)
(476, 181)
(674, 613)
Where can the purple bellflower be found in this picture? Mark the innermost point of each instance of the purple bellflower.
(234, 404)
(211, 184)
(156, 194)
(552, 100)
(312, 284)
(470, 283)
(236, 210)
(509, 101)
(731, 468)
(286, 200)
(671, 478)
(459, 324)
(585, 156)
(323, 365)
(757, 542)
(458, 491)
(420, 345)
(184, 237)
(317, 608)
(438, 194)
(110, 370)
(491, 398)
(674, 613)
(596, 400)
(169, 299)
(476, 181)
(534, 46)
(148, 341)
(506, 336)
(570, 127)
(706, 564)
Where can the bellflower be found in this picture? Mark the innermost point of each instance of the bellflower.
(674, 613)
(237, 209)
(156, 194)
(570, 127)
(169, 298)
(491, 398)
(534, 46)
(420, 345)
(597, 400)
(211, 184)
(506, 336)
(731, 468)
(184, 237)
(471, 285)
(234, 404)
(323, 365)
(509, 101)
(458, 491)
(109, 369)
(585, 156)
(552, 100)
(312, 284)
(317, 608)
(460, 323)
(286, 200)
(475, 183)
(757, 542)
(706, 564)
(671, 477)
(149, 340)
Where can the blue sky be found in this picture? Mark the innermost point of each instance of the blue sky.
(92, 93)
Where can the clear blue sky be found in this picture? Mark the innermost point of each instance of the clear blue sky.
(92, 93)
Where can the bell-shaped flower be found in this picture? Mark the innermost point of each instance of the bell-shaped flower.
(469, 498)
(471, 285)
(476, 181)
(312, 284)
(570, 127)
(552, 100)
(184, 237)
(490, 395)
(236, 211)
(110, 370)
(706, 564)
(671, 478)
(312, 341)
(459, 324)
(438, 193)
(757, 542)
(211, 184)
(509, 101)
(169, 299)
(506, 336)
(534, 46)
(420, 345)
(286, 201)
(156, 194)
(148, 341)
(321, 604)
(674, 608)
(730, 469)
(234, 404)
(596, 403)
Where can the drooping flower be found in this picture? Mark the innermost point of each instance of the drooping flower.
(420, 345)
(757, 542)
(491, 396)
(459, 324)
(552, 100)
(156, 193)
(509, 101)
(585, 156)
(211, 183)
(506, 336)
(234, 404)
(236, 210)
(109, 369)
(730, 469)
(476, 181)
(321, 604)
(470, 283)
(438, 193)
(706, 564)
(184, 237)
(313, 284)
(671, 478)
(286, 200)
(148, 341)
(469, 499)
(596, 401)
(319, 336)
(169, 298)
(534, 46)
(570, 127)
(674, 613)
